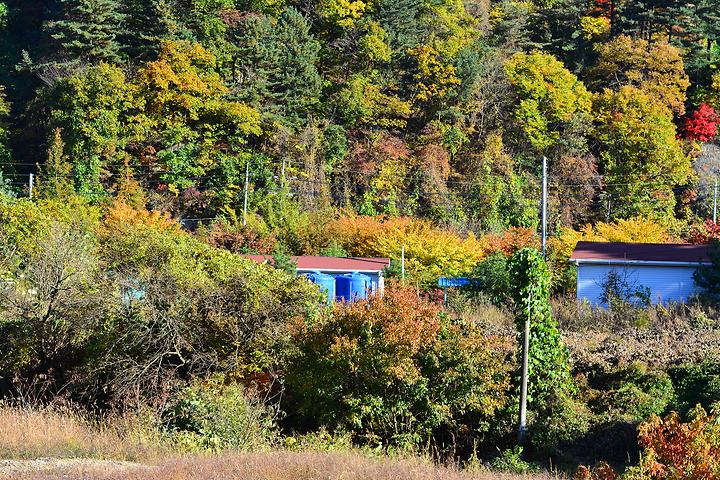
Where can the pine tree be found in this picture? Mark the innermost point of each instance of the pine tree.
(400, 19)
(89, 30)
(56, 178)
(147, 22)
(294, 83)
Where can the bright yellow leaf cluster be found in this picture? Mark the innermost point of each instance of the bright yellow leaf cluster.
(633, 230)
(429, 252)
(343, 13)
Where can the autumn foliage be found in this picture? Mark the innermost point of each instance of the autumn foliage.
(702, 124)
(394, 369)
(672, 450)
(429, 252)
(705, 233)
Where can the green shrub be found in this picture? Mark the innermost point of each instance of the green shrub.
(562, 420)
(634, 393)
(696, 384)
(492, 278)
(211, 415)
(511, 461)
(394, 371)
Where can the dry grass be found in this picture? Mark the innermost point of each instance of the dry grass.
(278, 465)
(30, 434)
(52, 444)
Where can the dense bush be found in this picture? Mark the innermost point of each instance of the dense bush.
(696, 383)
(132, 306)
(491, 278)
(394, 370)
(213, 415)
(672, 450)
(634, 393)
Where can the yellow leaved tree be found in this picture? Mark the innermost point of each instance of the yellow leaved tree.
(429, 252)
(632, 230)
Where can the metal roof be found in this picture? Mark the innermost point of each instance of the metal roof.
(331, 264)
(641, 253)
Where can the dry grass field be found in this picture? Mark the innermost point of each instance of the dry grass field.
(275, 465)
(44, 445)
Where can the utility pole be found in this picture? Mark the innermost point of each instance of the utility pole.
(715, 195)
(522, 423)
(31, 185)
(544, 208)
(247, 185)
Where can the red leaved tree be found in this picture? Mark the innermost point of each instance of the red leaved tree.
(702, 124)
(706, 233)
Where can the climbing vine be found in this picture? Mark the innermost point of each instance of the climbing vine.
(548, 368)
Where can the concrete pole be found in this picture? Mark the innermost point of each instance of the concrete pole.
(247, 184)
(522, 423)
(544, 208)
(715, 198)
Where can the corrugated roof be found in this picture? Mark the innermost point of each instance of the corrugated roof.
(350, 264)
(641, 252)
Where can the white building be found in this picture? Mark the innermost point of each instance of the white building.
(664, 271)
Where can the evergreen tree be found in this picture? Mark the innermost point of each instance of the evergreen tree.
(89, 29)
(248, 72)
(293, 80)
(649, 19)
(147, 22)
(400, 19)
(56, 178)
(557, 31)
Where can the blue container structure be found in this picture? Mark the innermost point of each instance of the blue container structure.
(360, 285)
(326, 282)
(343, 288)
(352, 286)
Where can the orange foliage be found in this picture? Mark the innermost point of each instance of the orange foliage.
(672, 450)
(676, 450)
(121, 215)
(602, 471)
(510, 241)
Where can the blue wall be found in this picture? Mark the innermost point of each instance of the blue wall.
(667, 284)
(374, 277)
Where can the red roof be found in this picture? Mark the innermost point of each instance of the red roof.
(351, 264)
(641, 252)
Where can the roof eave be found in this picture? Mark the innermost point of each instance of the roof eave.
(359, 270)
(658, 263)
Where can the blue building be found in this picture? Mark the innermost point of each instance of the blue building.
(663, 271)
(371, 268)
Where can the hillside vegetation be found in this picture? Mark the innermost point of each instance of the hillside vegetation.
(147, 145)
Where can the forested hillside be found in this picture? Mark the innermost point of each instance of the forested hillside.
(440, 109)
(145, 145)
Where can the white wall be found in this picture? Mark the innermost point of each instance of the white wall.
(667, 284)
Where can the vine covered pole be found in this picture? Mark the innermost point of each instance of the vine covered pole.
(522, 423)
(544, 207)
(247, 185)
(715, 198)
